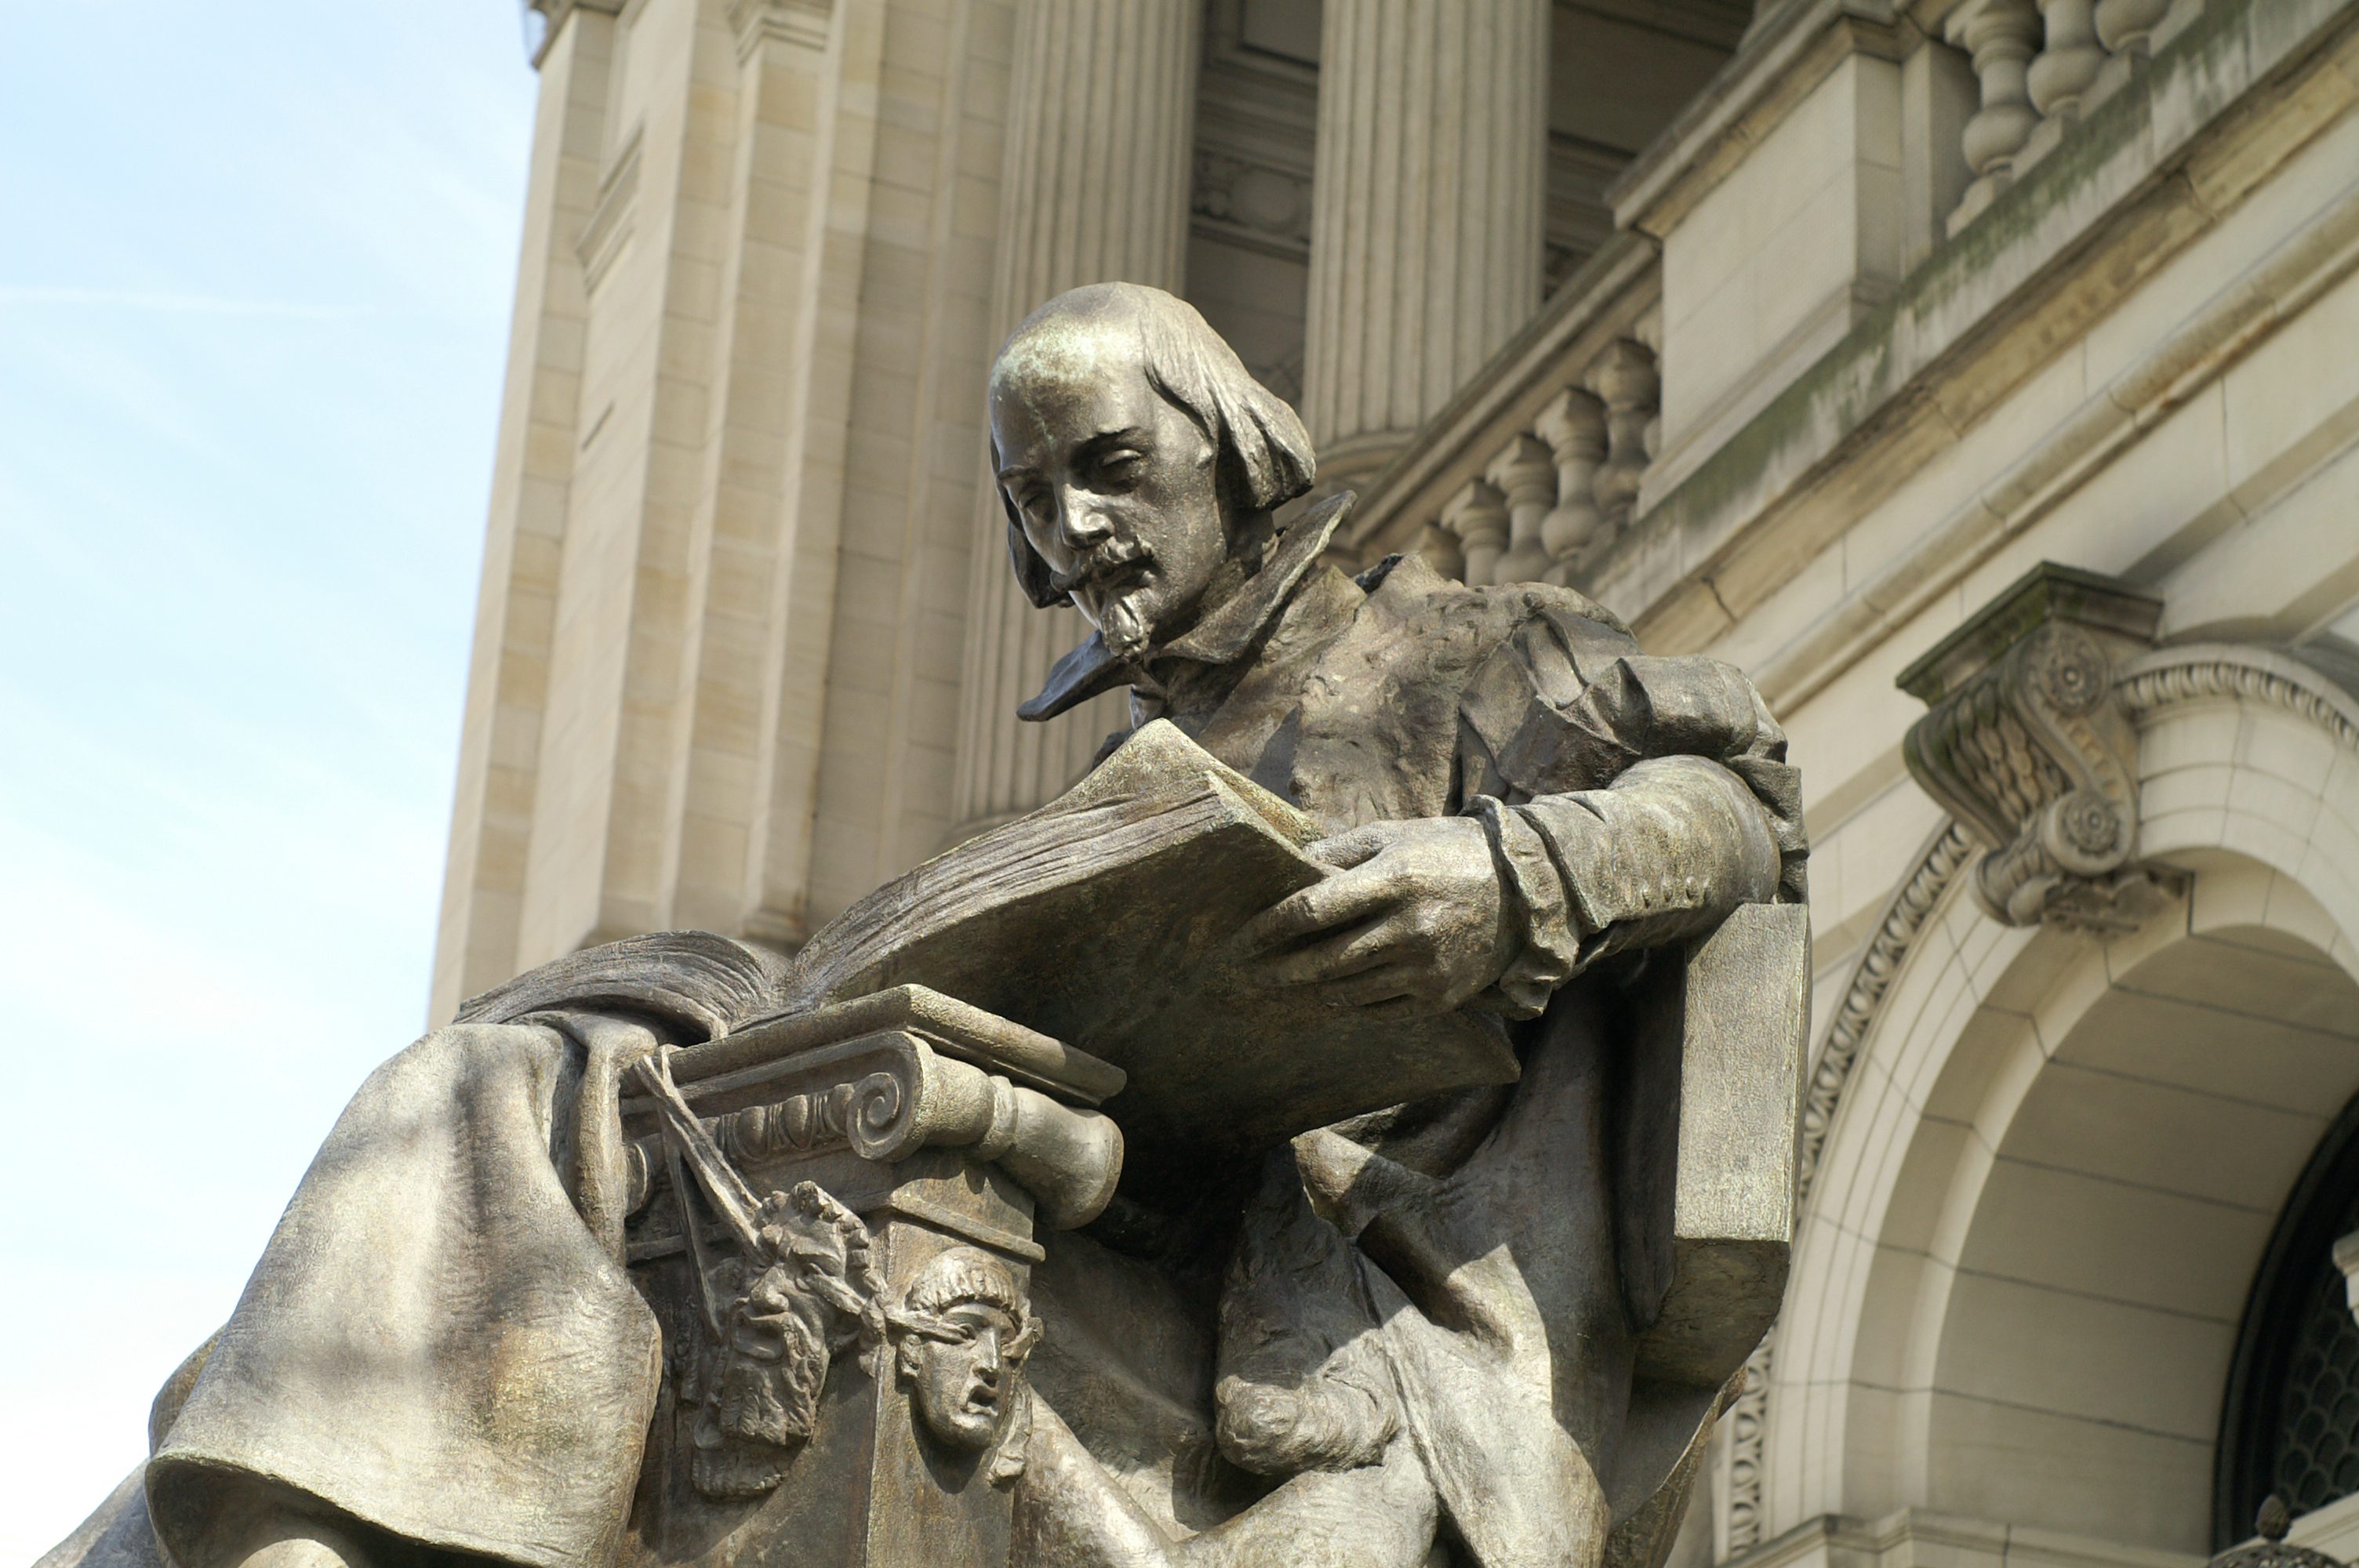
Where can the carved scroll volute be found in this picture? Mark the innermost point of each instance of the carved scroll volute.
(2028, 743)
(1068, 1160)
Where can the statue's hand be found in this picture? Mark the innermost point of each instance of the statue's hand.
(1413, 921)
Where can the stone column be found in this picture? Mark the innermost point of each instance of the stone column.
(1094, 190)
(1428, 205)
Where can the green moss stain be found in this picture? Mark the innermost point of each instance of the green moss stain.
(1860, 378)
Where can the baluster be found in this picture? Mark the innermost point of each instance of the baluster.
(1477, 514)
(1526, 475)
(2001, 35)
(2126, 27)
(2068, 67)
(1626, 381)
(1574, 429)
(1438, 546)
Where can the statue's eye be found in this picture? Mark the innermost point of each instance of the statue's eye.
(1122, 466)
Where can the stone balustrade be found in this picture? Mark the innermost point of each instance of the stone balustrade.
(1554, 461)
(1535, 466)
(1555, 494)
(2039, 66)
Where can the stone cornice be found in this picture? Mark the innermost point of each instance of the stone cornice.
(556, 12)
(1793, 51)
(2150, 171)
(801, 22)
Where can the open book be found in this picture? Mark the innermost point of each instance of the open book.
(1107, 919)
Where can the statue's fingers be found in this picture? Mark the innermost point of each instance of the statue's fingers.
(1352, 849)
(1354, 951)
(1383, 986)
(1345, 898)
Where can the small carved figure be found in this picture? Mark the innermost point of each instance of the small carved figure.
(960, 1337)
(784, 1315)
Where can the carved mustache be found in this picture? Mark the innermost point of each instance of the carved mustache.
(1100, 564)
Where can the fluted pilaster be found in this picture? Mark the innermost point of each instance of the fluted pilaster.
(1100, 116)
(1427, 211)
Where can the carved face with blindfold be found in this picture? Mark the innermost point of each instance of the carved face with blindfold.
(961, 1337)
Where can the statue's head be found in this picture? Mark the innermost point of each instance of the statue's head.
(960, 1338)
(1134, 452)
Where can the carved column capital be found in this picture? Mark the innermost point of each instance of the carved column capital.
(2028, 743)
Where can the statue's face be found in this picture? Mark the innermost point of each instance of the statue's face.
(1116, 488)
(962, 1382)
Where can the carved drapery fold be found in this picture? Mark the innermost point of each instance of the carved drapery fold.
(2028, 743)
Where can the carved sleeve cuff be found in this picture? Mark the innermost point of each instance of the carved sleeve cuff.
(1665, 853)
(1551, 950)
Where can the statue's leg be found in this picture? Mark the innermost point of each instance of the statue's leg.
(1070, 1513)
(1377, 1516)
(1302, 1383)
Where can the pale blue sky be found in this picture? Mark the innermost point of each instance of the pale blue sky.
(256, 269)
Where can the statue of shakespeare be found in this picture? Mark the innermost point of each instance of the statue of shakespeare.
(1490, 1325)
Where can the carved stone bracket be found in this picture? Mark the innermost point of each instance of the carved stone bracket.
(888, 1095)
(2028, 744)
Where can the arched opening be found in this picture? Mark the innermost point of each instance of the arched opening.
(2100, 1163)
(2051, 1166)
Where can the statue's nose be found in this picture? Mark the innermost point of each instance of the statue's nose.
(1080, 526)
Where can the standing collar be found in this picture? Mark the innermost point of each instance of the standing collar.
(1222, 636)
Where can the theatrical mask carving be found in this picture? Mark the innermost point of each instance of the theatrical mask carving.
(785, 1315)
(961, 1335)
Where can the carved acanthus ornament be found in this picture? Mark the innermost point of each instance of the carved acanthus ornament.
(2029, 744)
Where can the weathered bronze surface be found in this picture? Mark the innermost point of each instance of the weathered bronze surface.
(677, 1251)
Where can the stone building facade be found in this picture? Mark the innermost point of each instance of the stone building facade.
(1981, 375)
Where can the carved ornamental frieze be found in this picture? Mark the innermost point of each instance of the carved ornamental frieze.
(2028, 745)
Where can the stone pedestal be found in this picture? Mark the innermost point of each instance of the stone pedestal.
(1094, 190)
(855, 1167)
(1428, 212)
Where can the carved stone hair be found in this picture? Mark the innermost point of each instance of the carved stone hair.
(1265, 456)
(965, 1275)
